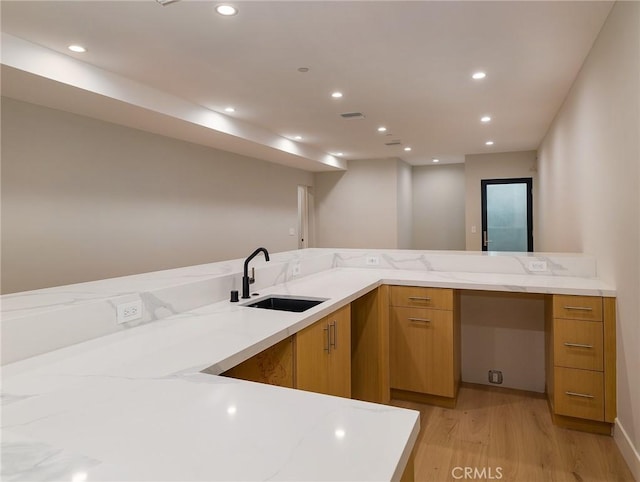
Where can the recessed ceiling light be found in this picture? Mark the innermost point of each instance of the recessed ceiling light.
(304, 70)
(486, 118)
(229, 109)
(436, 160)
(339, 154)
(77, 48)
(407, 149)
(298, 138)
(336, 95)
(226, 10)
(478, 75)
(382, 129)
(489, 143)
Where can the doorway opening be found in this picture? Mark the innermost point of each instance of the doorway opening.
(507, 214)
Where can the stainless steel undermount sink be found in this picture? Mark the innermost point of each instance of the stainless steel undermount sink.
(286, 303)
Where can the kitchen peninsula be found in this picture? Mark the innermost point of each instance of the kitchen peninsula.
(93, 399)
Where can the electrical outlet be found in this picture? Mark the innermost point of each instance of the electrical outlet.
(373, 260)
(537, 265)
(495, 376)
(130, 311)
(296, 269)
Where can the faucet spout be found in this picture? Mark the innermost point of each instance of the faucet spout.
(246, 281)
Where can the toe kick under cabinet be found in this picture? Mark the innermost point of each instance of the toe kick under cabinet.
(424, 344)
(580, 364)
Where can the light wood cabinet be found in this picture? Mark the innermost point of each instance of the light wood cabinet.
(578, 344)
(424, 344)
(273, 366)
(323, 355)
(580, 361)
(421, 297)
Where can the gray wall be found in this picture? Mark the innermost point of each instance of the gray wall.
(589, 168)
(405, 205)
(438, 207)
(359, 208)
(84, 199)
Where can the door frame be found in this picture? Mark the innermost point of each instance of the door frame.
(517, 180)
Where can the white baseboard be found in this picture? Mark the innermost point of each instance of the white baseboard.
(629, 452)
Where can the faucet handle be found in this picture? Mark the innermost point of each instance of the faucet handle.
(252, 278)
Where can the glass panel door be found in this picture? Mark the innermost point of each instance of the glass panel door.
(507, 215)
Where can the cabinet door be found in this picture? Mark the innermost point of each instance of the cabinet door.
(340, 353)
(421, 351)
(312, 357)
(273, 366)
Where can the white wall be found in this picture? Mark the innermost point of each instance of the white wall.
(84, 199)
(588, 200)
(438, 207)
(502, 165)
(359, 208)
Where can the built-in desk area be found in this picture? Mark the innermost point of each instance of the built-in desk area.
(424, 350)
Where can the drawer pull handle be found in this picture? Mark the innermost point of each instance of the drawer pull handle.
(581, 395)
(334, 343)
(327, 347)
(422, 320)
(578, 308)
(578, 345)
(419, 298)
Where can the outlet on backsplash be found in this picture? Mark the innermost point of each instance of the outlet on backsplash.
(373, 260)
(130, 311)
(537, 265)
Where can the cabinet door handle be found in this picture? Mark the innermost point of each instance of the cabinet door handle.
(581, 395)
(577, 345)
(333, 343)
(327, 347)
(419, 298)
(421, 320)
(578, 308)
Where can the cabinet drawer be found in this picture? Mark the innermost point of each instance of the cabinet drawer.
(421, 350)
(579, 393)
(415, 296)
(577, 307)
(578, 344)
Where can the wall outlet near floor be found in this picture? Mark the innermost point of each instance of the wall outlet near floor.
(537, 265)
(295, 270)
(495, 376)
(130, 311)
(373, 260)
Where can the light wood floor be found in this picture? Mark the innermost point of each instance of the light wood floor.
(495, 428)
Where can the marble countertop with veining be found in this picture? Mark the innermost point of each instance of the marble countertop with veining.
(133, 405)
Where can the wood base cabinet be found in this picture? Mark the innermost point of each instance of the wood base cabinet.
(317, 358)
(580, 364)
(273, 366)
(323, 355)
(424, 343)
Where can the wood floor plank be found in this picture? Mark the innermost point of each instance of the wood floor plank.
(508, 435)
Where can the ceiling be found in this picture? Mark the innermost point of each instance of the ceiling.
(405, 65)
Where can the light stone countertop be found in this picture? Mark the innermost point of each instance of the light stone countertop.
(132, 405)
